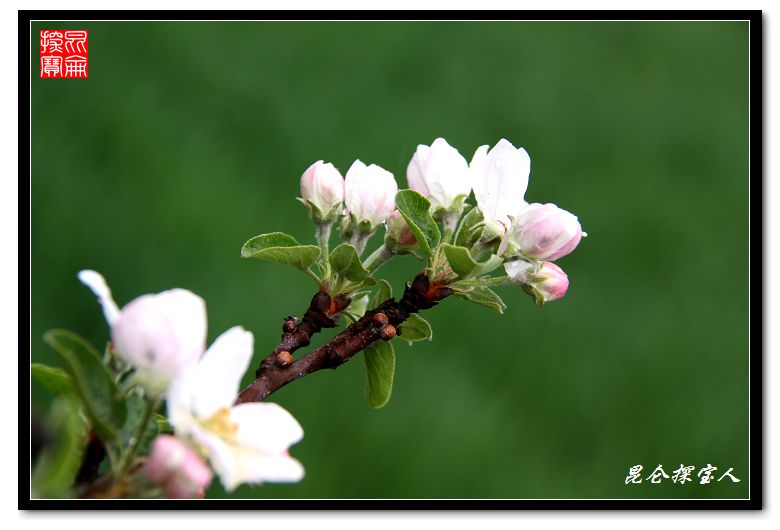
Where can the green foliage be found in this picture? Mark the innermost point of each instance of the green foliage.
(93, 383)
(163, 425)
(345, 261)
(483, 296)
(282, 248)
(136, 412)
(415, 328)
(467, 233)
(60, 460)
(379, 358)
(415, 210)
(55, 380)
(383, 292)
(464, 265)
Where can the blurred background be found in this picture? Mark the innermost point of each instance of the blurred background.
(189, 138)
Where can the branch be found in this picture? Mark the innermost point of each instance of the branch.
(375, 324)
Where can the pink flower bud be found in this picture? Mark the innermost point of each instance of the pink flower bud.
(545, 232)
(440, 173)
(398, 231)
(322, 188)
(546, 284)
(369, 193)
(176, 467)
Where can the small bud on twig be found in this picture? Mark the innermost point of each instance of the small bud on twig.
(379, 320)
(387, 332)
(289, 325)
(284, 358)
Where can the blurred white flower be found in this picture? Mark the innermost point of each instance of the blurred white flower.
(160, 335)
(246, 443)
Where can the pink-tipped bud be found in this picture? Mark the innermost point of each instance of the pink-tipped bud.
(545, 232)
(546, 284)
(322, 190)
(177, 468)
(369, 193)
(398, 235)
(441, 174)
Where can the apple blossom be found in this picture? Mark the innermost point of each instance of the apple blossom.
(160, 335)
(322, 191)
(500, 179)
(441, 174)
(398, 236)
(246, 443)
(369, 193)
(176, 467)
(544, 281)
(545, 232)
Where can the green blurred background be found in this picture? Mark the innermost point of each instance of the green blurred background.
(189, 138)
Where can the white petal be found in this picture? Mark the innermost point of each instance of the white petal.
(186, 313)
(237, 464)
(214, 382)
(518, 270)
(505, 180)
(98, 285)
(266, 427)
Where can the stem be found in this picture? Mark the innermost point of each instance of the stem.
(421, 294)
(151, 406)
(377, 258)
(323, 237)
(496, 280)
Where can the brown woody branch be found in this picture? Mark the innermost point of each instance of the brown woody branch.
(276, 370)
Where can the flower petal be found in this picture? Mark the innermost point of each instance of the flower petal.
(266, 427)
(98, 285)
(214, 381)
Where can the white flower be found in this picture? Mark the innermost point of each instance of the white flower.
(440, 173)
(245, 444)
(500, 179)
(158, 334)
(322, 188)
(369, 193)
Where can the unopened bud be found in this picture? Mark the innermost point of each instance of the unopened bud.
(369, 193)
(387, 332)
(546, 284)
(322, 191)
(545, 232)
(289, 325)
(284, 358)
(398, 237)
(379, 320)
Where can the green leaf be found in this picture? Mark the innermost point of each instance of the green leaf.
(466, 235)
(415, 328)
(382, 293)
(464, 265)
(380, 367)
(60, 460)
(483, 296)
(92, 381)
(163, 426)
(415, 210)
(281, 248)
(344, 260)
(55, 380)
(136, 410)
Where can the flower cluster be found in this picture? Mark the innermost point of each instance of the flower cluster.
(162, 338)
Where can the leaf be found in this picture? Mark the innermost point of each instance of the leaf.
(281, 248)
(163, 426)
(136, 410)
(415, 210)
(464, 265)
(345, 261)
(92, 381)
(55, 380)
(483, 296)
(59, 462)
(380, 367)
(464, 237)
(415, 328)
(382, 293)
